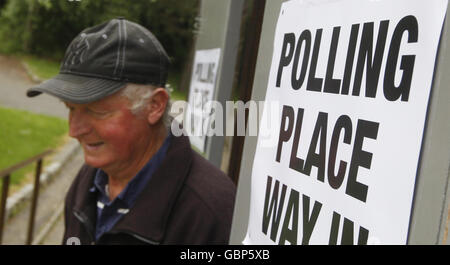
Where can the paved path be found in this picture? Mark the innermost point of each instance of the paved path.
(51, 197)
(54, 236)
(14, 82)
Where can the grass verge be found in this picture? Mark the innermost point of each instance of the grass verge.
(42, 68)
(23, 135)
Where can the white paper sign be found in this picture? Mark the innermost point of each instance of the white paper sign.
(352, 79)
(201, 92)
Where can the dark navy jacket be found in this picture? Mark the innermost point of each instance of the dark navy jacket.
(187, 201)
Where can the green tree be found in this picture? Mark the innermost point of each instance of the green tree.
(46, 27)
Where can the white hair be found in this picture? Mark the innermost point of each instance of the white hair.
(139, 96)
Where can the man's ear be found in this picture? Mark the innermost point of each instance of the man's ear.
(157, 105)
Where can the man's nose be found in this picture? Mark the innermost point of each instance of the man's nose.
(78, 124)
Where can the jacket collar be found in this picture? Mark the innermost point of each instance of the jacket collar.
(149, 215)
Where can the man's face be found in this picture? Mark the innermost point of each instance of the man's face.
(111, 136)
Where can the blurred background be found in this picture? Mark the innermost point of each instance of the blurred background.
(40, 30)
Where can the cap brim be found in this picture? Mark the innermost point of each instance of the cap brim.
(77, 89)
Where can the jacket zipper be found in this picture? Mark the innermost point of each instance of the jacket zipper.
(138, 237)
(84, 220)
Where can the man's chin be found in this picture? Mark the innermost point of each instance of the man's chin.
(94, 161)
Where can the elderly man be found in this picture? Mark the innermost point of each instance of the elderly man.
(140, 184)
